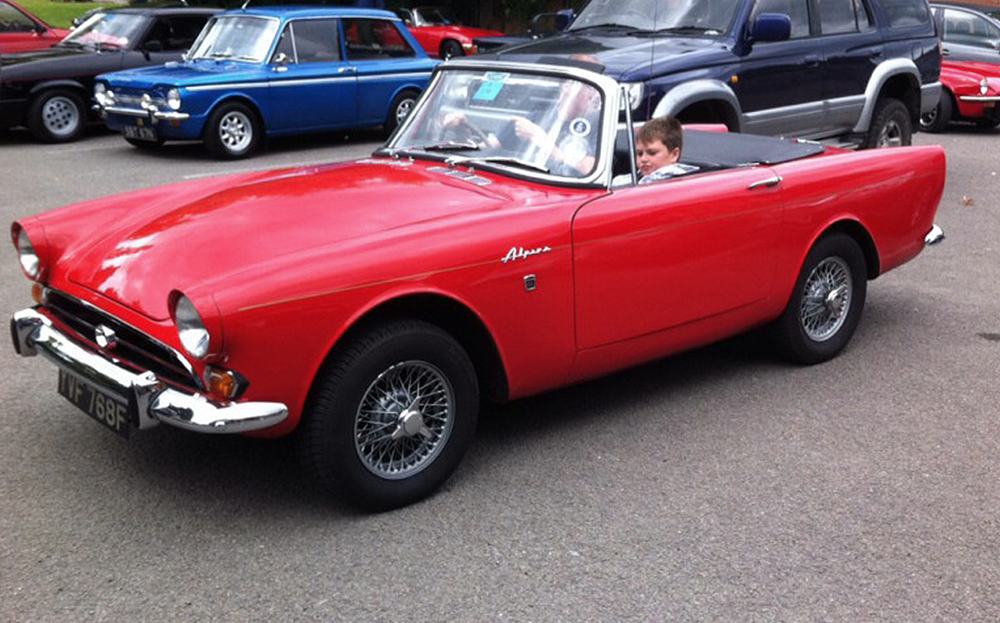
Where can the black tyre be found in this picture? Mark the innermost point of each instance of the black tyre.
(391, 417)
(451, 49)
(826, 303)
(939, 118)
(57, 116)
(232, 132)
(400, 109)
(891, 125)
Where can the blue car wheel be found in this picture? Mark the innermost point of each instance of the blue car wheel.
(232, 132)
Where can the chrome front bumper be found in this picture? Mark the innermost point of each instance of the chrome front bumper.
(149, 400)
(153, 115)
(934, 236)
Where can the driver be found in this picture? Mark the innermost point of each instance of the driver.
(568, 147)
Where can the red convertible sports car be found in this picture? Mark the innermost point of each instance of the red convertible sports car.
(971, 92)
(439, 34)
(371, 305)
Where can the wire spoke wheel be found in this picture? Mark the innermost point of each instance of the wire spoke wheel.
(404, 420)
(826, 299)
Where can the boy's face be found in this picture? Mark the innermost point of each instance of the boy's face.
(651, 156)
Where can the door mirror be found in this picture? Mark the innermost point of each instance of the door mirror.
(771, 27)
(281, 59)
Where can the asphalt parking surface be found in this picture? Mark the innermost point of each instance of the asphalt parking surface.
(718, 485)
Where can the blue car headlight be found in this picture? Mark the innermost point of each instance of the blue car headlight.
(174, 99)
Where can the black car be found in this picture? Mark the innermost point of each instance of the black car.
(858, 72)
(50, 91)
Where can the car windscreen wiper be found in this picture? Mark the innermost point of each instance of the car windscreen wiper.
(502, 160)
(685, 30)
(582, 28)
(449, 146)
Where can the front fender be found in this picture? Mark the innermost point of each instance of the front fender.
(65, 83)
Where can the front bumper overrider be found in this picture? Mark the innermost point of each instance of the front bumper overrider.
(150, 401)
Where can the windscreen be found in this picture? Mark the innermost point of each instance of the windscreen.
(549, 124)
(239, 37)
(683, 16)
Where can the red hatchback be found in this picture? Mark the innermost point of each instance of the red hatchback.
(21, 31)
(440, 34)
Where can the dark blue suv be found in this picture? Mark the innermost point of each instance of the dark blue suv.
(857, 71)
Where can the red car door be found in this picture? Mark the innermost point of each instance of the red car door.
(656, 256)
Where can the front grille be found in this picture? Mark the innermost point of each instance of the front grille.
(134, 348)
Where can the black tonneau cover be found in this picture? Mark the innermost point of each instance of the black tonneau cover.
(725, 150)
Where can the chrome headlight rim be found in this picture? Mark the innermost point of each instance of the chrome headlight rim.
(100, 93)
(191, 330)
(635, 91)
(31, 263)
(984, 86)
(174, 98)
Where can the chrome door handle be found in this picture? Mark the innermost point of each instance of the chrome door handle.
(770, 182)
(341, 70)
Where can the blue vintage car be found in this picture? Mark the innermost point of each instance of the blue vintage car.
(271, 71)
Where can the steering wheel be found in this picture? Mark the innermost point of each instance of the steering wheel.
(464, 133)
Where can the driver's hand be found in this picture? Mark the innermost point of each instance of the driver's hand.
(455, 120)
(529, 131)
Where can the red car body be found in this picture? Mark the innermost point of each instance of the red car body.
(970, 92)
(442, 38)
(542, 283)
(24, 32)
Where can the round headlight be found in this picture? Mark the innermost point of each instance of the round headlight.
(110, 96)
(191, 330)
(145, 101)
(99, 93)
(174, 99)
(29, 259)
(984, 86)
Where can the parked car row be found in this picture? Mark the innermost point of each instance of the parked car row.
(863, 72)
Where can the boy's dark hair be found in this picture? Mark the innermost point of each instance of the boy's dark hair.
(667, 130)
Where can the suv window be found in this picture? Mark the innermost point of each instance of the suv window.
(840, 16)
(372, 39)
(902, 13)
(796, 10)
(969, 29)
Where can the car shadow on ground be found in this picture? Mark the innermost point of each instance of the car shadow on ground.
(199, 471)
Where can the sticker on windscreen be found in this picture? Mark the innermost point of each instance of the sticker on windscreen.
(492, 84)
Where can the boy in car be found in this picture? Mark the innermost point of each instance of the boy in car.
(658, 146)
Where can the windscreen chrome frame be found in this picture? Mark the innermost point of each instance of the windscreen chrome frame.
(610, 95)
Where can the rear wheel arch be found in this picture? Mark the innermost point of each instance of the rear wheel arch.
(710, 111)
(904, 87)
(864, 240)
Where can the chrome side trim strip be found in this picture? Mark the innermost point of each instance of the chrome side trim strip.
(150, 401)
(231, 85)
(979, 98)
